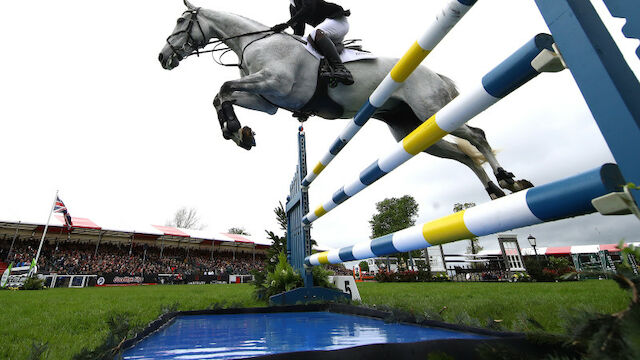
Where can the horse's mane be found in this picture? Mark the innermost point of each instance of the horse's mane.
(249, 20)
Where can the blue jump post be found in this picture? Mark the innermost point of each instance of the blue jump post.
(299, 240)
(608, 85)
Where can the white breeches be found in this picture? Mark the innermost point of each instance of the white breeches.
(335, 29)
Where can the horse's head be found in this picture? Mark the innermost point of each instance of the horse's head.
(187, 37)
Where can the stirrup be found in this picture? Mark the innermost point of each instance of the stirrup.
(344, 78)
(327, 73)
(330, 78)
(334, 77)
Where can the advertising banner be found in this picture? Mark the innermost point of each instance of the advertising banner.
(155, 279)
(125, 280)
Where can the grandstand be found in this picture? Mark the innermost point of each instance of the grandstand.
(147, 254)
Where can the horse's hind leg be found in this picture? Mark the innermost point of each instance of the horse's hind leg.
(402, 120)
(447, 150)
(478, 139)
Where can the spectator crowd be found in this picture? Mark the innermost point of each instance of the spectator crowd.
(80, 258)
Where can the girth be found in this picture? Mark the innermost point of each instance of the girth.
(320, 103)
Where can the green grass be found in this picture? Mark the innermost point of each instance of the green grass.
(544, 302)
(72, 319)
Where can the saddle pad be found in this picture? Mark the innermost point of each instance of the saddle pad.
(348, 55)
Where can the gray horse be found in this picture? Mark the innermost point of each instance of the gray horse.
(278, 72)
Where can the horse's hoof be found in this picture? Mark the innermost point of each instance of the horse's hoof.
(248, 139)
(494, 191)
(504, 177)
(506, 181)
(507, 184)
(523, 184)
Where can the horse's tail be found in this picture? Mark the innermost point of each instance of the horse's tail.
(471, 151)
(465, 146)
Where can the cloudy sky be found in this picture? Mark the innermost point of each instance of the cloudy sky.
(87, 109)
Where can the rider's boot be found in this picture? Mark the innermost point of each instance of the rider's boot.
(328, 49)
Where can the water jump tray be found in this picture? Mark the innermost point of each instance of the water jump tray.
(306, 332)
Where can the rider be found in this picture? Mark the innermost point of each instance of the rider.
(330, 27)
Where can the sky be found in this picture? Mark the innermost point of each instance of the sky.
(86, 109)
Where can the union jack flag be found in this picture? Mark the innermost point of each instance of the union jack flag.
(59, 207)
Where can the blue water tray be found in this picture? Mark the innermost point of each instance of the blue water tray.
(238, 336)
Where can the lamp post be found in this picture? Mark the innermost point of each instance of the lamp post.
(532, 242)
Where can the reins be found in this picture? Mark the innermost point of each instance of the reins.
(191, 41)
(225, 50)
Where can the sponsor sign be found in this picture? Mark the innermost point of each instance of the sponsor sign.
(14, 276)
(16, 280)
(153, 279)
(128, 280)
(124, 280)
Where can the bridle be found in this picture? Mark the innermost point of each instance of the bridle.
(191, 42)
(197, 46)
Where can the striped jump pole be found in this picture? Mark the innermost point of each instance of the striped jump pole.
(512, 73)
(447, 18)
(555, 201)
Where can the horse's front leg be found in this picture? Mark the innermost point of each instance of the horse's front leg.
(229, 123)
(245, 92)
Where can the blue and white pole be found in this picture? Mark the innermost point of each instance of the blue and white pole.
(501, 81)
(446, 19)
(555, 201)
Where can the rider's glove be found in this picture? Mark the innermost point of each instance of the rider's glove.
(280, 27)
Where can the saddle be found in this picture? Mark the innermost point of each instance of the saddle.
(349, 50)
(320, 103)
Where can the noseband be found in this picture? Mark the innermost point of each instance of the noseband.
(191, 42)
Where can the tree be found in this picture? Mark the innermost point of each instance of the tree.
(364, 266)
(281, 216)
(186, 219)
(278, 243)
(474, 247)
(393, 215)
(238, 231)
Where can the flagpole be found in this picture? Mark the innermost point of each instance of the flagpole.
(44, 233)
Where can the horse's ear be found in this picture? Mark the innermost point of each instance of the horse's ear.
(189, 5)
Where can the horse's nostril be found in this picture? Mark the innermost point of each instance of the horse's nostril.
(160, 57)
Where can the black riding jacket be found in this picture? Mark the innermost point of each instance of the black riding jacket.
(313, 12)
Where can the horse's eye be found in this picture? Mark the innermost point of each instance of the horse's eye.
(180, 20)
